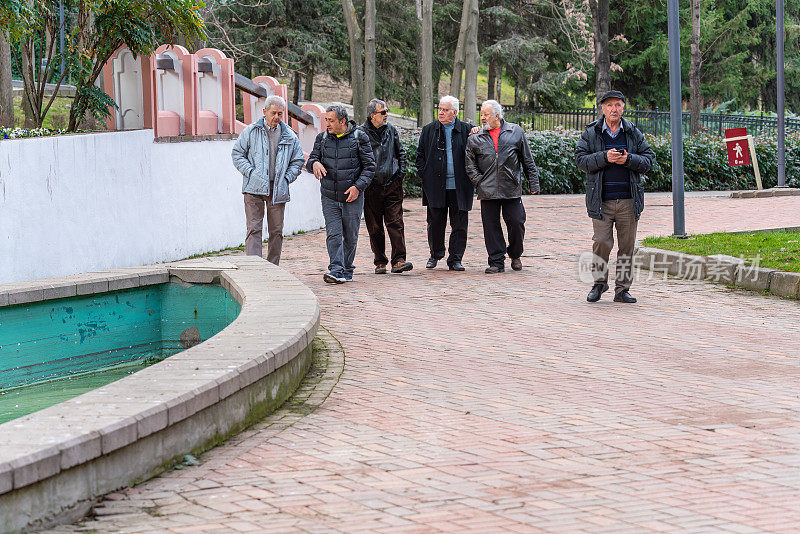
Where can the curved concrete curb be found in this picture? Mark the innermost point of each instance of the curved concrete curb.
(54, 462)
(719, 269)
(767, 193)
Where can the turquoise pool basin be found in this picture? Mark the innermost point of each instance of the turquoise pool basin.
(54, 350)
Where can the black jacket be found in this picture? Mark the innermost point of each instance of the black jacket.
(388, 152)
(347, 159)
(432, 165)
(590, 157)
(498, 175)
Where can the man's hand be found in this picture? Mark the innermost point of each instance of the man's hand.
(474, 130)
(616, 157)
(319, 170)
(352, 193)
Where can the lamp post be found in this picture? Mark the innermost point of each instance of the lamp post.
(676, 119)
(781, 100)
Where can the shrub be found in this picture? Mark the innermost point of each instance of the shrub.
(705, 163)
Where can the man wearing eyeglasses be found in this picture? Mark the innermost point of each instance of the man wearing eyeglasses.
(445, 185)
(383, 198)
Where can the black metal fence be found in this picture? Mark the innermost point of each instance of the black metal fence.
(658, 122)
(652, 122)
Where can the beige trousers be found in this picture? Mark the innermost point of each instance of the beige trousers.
(254, 213)
(617, 213)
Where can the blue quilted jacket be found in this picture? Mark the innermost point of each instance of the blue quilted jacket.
(251, 158)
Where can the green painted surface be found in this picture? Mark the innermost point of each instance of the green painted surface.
(54, 350)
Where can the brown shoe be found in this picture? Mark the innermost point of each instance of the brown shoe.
(516, 264)
(380, 268)
(402, 266)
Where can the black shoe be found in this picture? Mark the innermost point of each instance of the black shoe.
(516, 264)
(494, 269)
(431, 263)
(624, 296)
(456, 266)
(597, 290)
(402, 266)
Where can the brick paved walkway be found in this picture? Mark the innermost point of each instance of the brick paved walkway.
(507, 403)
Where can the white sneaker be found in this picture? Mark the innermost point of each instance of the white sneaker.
(333, 278)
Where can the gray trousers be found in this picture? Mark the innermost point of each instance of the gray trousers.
(617, 213)
(254, 213)
(342, 221)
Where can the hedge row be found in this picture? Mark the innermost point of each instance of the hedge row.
(705, 163)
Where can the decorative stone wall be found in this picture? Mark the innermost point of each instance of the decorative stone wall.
(71, 204)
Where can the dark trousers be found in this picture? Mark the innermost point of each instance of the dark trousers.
(437, 223)
(384, 205)
(514, 215)
(617, 213)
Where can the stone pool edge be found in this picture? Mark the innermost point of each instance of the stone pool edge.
(55, 461)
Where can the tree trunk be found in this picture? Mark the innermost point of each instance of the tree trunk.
(308, 91)
(369, 53)
(695, 99)
(356, 65)
(491, 80)
(499, 81)
(471, 66)
(425, 24)
(298, 81)
(29, 85)
(602, 58)
(6, 89)
(458, 59)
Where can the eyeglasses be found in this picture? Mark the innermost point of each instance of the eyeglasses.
(384, 112)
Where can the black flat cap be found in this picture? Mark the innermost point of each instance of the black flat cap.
(612, 94)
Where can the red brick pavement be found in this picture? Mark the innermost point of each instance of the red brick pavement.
(507, 403)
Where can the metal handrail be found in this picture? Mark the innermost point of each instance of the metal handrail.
(243, 83)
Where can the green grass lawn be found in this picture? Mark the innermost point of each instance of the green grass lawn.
(774, 250)
(57, 116)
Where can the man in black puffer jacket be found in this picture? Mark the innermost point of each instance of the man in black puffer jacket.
(383, 199)
(342, 161)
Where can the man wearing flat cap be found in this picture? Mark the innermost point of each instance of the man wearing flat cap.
(614, 154)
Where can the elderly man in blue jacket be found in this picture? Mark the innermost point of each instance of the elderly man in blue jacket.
(269, 156)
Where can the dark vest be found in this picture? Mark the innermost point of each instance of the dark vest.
(616, 178)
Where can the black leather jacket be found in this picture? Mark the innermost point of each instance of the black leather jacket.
(590, 157)
(388, 152)
(498, 175)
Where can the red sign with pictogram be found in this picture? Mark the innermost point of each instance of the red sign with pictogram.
(736, 140)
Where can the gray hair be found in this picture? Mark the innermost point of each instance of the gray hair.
(496, 107)
(372, 107)
(449, 99)
(275, 100)
(341, 112)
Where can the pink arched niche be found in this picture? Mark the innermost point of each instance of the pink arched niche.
(308, 132)
(176, 94)
(146, 66)
(227, 87)
(252, 109)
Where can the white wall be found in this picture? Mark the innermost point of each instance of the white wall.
(71, 204)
